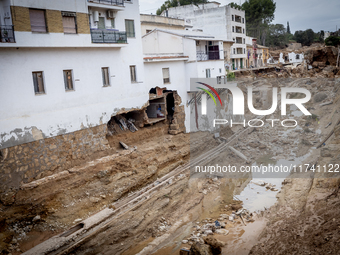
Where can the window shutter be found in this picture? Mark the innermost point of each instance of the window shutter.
(69, 24)
(38, 22)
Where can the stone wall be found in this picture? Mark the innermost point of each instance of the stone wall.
(21, 18)
(54, 21)
(178, 123)
(31, 161)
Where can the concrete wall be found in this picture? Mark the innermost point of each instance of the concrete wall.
(35, 160)
(162, 43)
(150, 22)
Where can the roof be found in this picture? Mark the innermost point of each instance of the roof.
(195, 35)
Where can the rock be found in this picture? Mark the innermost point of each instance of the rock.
(8, 198)
(222, 224)
(200, 249)
(208, 232)
(222, 232)
(77, 220)
(94, 199)
(216, 245)
(319, 97)
(224, 216)
(185, 241)
(36, 218)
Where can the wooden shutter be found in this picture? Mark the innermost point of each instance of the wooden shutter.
(69, 24)
(38, 22)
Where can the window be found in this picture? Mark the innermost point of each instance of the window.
(133, 73)
(234, 50)
(207, 73)
(220, 70)
(244, 51)
(232, 17)
(233, 29)
(68, 81)
(38, 21)
(166, 75)
(130, 28)
(38, 82)
(69, 22)
(113, 25)
(244, 41)
(297, 56)
(243, 30)
(106, 77)
(242, 20)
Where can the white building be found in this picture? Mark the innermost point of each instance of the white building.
(58, 75)
(172, 57)
(226, 23)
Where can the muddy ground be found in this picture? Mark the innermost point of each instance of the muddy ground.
(159, 226)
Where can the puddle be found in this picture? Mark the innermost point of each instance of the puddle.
(257, 198)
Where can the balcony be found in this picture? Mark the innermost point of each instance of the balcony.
(108, 36)
(210, 55)
(238, 30)
(7, 34)
(108, 2)
(237, 18)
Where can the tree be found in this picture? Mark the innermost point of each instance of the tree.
(332, 40)
(277, 35)
(259, 13)
(304, 37)
(175, 3)
(288, 28)
(235, 6)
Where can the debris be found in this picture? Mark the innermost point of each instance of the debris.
(330, 123)
(238, 153)
(184, 251)
(259, 182)
(326, 103)
(222, 232)
(124, 145)
(216, 245)
(36, 218)
(185, 241)
(200, 249)
(217, 224)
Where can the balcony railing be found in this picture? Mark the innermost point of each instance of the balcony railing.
(108, 36)
(7, 34)
(210, 55)
(111, 2)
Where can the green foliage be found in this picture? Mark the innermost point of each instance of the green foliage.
(175, 3)
(304, 37)
(288, 28)
(235, 6)
(230, 76)
(259, 13)
(332, 41)
(277, 35)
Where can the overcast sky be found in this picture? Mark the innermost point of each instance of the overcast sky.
(301, 14)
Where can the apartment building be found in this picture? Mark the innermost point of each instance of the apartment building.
(66, 67)
(224, 22)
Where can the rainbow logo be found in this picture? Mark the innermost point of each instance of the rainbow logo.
(213, 90)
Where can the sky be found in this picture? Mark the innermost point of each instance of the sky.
(301, 14)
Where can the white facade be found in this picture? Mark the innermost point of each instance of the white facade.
(224, 22)
(27, 116)
(181, 52)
